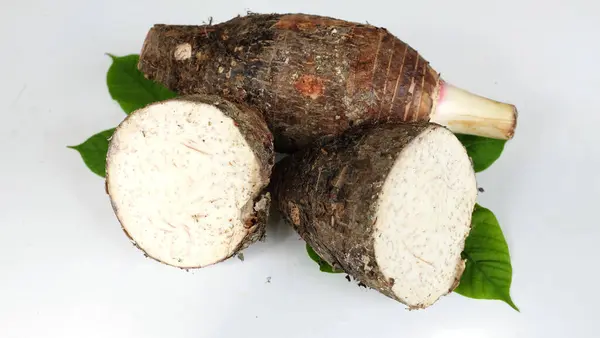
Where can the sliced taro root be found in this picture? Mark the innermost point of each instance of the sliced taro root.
(187, 177)
(391, 205)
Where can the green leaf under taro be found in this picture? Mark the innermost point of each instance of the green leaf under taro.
(128, 86)
(323, 266)
(488, 273)
(93, 151)
(484, 151)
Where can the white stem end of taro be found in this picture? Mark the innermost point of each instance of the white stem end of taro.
(466, 113)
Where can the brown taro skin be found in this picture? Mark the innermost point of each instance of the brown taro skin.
(310, 76)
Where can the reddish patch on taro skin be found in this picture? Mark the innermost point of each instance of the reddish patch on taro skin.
(441, 91)
(310, 86)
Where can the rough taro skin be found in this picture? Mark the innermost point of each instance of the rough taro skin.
(310, 76)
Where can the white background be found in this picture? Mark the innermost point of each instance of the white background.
(67, 270)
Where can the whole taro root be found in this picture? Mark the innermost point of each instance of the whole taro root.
(313, 76)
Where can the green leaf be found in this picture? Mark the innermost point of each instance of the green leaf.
(93, 151)
(488, 273)
(128, 86)
(323, 266)
(484, 151)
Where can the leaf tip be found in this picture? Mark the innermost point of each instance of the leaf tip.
(512, 304)
(112, 56)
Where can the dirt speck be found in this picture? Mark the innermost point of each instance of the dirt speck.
(240, 256)
(294, 213)
(201, 57)
(183, 52)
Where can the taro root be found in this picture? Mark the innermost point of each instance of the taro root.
(389, 204)
(313, 76)
(187, 178)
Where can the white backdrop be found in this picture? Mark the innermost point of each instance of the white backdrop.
(67, 270)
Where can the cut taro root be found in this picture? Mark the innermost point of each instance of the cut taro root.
(187, 177)
(390, 205)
